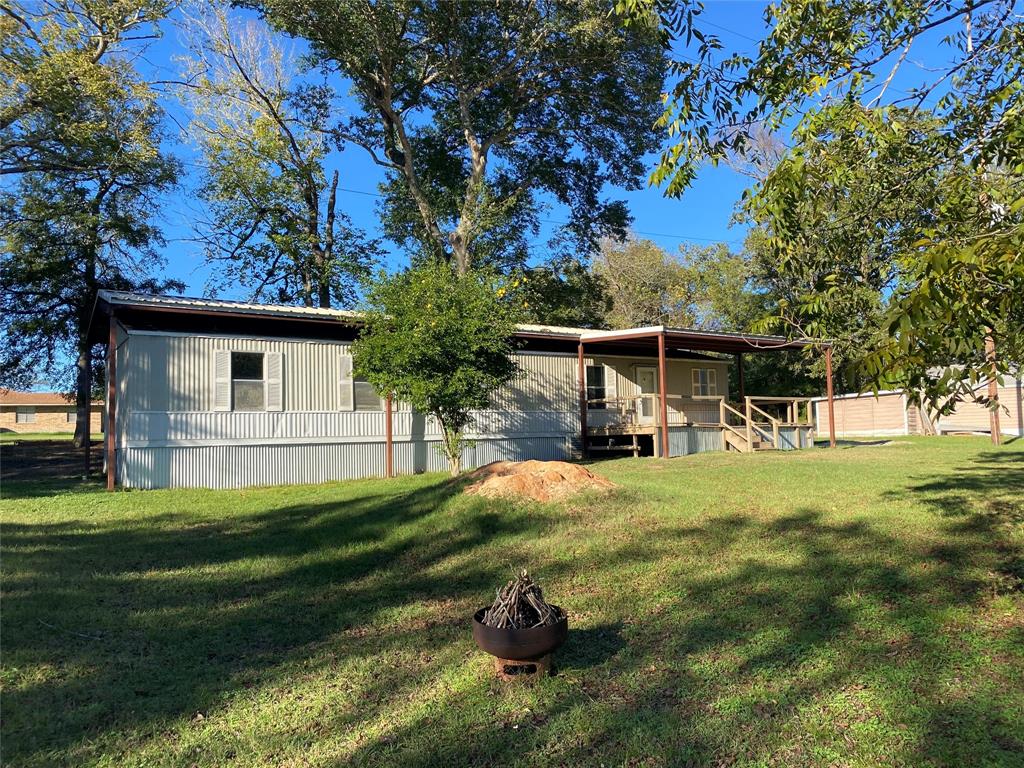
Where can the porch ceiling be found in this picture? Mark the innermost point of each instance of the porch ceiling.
(693, 340)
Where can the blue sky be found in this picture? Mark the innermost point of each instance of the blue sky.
(702, 216)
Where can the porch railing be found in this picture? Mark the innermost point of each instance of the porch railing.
(753, 424)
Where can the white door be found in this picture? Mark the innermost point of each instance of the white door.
(647, 382)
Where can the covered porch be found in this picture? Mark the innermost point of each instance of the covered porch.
(651, 391)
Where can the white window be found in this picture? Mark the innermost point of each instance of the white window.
(25, 414)
(72, 417)
(247, 381)
(248, 385)
(356, 394)
(596, 389)
(705, 382)
(365, 396)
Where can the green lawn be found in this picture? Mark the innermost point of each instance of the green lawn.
(858, 607)
(22, 437)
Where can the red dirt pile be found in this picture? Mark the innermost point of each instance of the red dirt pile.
(538, 480)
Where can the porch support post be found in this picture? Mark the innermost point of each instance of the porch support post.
(739, 372)
(582, 388)
(993, 390)
(389, 445)
(831, 402)
(662, 389)
(111, 405)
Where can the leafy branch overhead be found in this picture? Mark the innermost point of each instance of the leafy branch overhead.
(893, 208)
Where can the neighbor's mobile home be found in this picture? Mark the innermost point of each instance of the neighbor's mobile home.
(889, 413)
(207, 393)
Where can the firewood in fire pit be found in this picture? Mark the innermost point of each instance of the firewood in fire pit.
(520, 605)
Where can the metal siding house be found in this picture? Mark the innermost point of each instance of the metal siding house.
(221, 394)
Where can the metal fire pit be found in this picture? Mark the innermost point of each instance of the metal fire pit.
(520, 644)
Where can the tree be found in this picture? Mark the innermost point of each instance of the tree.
(836, 64)
(645, 285)
(81, 132)
(440, 341)
(484, 113)
(275, 226)
(62, 61)
(852, 261)
(62, 242)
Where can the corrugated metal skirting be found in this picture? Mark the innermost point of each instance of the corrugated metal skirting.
(683, 441)
(240, 466)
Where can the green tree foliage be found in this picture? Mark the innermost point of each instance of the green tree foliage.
(646, 285)
(63, 64)
(82, 142)
(858, 219)
(939, 276)
(485, 113)
(440, 341)
(262, 135)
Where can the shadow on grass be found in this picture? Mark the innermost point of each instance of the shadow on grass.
(752, 630)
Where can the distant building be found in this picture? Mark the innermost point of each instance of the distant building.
(890, 413)
(43, 412)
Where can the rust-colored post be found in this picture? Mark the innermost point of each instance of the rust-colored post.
(582, 374)
(993, 390)
(662, 388)
(831, 402)
(111, 404)
(389, 445)
(739, 373)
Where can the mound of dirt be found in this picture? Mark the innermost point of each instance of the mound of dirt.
(538, 480)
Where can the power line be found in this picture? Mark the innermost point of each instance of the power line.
(563, 223)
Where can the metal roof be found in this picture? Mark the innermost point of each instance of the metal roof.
(693, 338)
(679, 338)
(186, 303)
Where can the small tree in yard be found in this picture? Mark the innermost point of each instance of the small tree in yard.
(441, 342)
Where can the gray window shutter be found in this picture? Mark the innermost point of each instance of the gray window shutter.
(222, 380)
(275, 389)
(346, 394)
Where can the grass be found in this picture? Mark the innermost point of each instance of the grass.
(855, 607)
(23, 437)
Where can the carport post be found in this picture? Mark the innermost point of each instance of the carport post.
(582, 387)
(739, 374)
(831, 403)
(111, 405)
(662, 390)
(389, 445)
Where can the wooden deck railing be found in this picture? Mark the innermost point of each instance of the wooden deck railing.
(757, 421)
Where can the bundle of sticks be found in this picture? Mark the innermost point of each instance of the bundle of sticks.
(520, 605)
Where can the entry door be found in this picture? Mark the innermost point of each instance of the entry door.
(647, 381)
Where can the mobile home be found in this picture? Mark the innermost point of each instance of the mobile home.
(209, 393)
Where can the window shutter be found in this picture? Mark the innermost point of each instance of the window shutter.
(346, 394)
(275, 389)
(712, 381)
(611, 383)
(222, 380)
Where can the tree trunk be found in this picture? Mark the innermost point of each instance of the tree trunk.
(993, 389)
(326, 253)
(83, 396)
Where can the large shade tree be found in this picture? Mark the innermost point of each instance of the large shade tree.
(483, 114)
(274, 225)
(81, 149)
